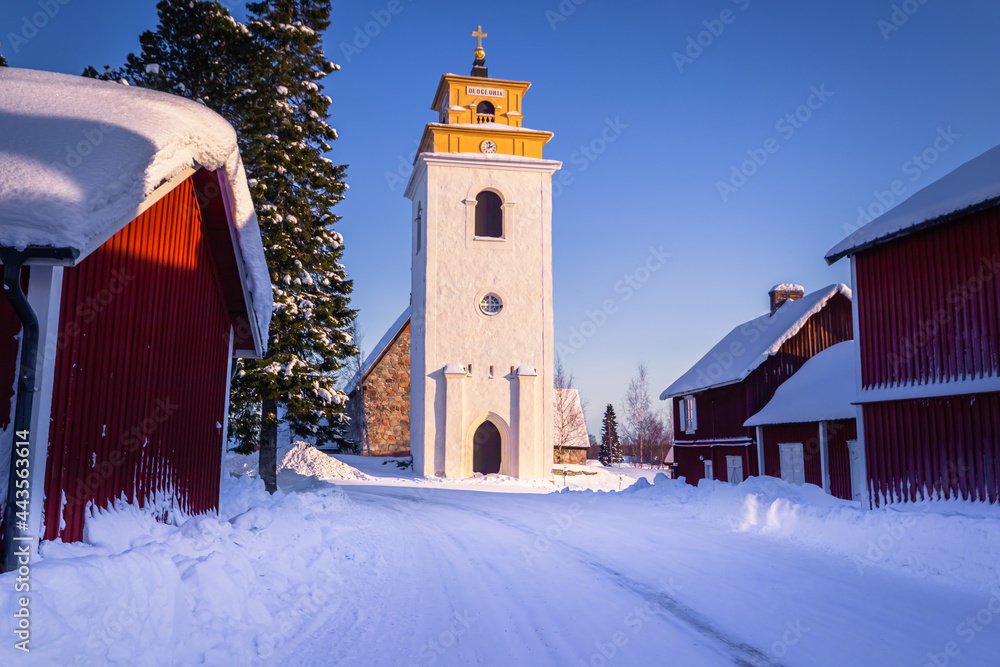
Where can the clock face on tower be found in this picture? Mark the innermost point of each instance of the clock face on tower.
(488, 146)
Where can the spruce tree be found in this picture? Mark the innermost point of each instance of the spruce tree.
(265, 78)
(611, 449)
(3, 61)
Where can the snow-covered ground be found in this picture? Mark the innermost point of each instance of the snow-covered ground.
(358, 563)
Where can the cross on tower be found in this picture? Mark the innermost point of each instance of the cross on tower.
(480, 34)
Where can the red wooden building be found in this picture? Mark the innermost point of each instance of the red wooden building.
(807, 432)
(927, 314)
(739, 375)
(134, 274)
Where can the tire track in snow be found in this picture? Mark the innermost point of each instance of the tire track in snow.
(684, 616)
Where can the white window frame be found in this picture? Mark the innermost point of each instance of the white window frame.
(733, 462)
(689, 414)
(709, 469)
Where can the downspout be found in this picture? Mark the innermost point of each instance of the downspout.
(13, 260)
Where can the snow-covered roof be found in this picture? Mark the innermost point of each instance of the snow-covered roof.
(974, 185)
(576, 426)
(822, 390)
(787, 287)
(380, 349)
(748, 345)
(79, 158)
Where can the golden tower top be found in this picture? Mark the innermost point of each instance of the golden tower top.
(477, 116)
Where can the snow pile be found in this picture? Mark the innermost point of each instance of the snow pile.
(822, 390)
(207, 591)
(79, 156)
(306, 460)
(748, 345)
(953, 539)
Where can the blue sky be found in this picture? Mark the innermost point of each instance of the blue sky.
(687, 92)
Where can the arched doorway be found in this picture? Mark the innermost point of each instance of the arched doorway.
(486, 449)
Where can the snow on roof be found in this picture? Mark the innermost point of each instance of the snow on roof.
(822, 390)
(787, 287)
(749, 344)
(974, 184)
(79, 157)
(380, 348)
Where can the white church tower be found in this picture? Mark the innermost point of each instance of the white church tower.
(481, 349)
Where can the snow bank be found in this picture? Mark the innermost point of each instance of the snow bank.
(79, 156)
(306, 460)
(208, 591)
(953, 539)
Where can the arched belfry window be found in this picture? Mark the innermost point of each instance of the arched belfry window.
(489, 215)
(485, 112)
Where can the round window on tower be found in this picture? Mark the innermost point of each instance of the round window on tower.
(491, 304)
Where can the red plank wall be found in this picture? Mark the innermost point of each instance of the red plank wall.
(929, 304)
(939, 447)
(141, 372)
(838, 433)
(929, 311)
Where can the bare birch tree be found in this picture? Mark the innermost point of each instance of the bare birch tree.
(638, 417)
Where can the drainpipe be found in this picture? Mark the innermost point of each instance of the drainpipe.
(13, 260)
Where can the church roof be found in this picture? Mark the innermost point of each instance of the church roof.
(379, 350)
(576, 437)
(748, 345)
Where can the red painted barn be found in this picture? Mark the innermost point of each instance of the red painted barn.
(740, 374)
(134, 273)
(807, 434)
(927, 313)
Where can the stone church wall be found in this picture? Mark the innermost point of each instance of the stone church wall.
(571, 455)
(387, 400)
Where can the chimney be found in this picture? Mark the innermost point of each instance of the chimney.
(785, 292)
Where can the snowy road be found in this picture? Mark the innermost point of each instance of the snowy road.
(461, 577)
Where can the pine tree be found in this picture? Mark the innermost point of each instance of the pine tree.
(611, 449)
(3, 61)
(264, 77)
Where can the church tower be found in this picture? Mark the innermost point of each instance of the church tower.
(481, 349)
